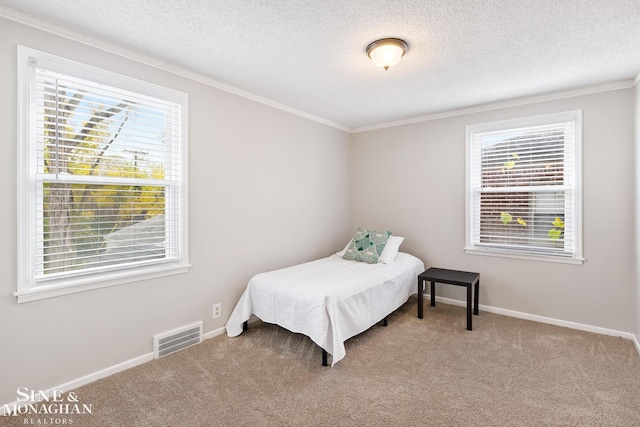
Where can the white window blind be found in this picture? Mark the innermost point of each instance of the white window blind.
(523, 186)
(105, 183)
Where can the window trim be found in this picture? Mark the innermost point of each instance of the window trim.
(27, 290)
(470, 131)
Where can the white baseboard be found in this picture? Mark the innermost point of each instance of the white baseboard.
(149, 356)
(542, 319)
(637, 344)
(214, 333)
(103, 373)
(121, 366)
(106, 372)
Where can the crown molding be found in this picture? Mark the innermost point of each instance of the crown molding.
(58, 30)
(515, 102)
(148, 60)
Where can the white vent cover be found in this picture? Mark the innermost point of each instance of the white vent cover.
(177, 339)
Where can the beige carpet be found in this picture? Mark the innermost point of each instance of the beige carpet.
(430, 372)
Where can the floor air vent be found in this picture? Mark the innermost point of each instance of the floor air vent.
(172, 341)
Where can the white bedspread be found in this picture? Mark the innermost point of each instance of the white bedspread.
(329, 300)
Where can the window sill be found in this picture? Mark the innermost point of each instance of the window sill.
(521, 255)
(87, 284)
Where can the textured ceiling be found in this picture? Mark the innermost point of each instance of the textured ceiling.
(309, 54)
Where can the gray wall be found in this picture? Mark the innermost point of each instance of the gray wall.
(411, 180)
(267, 189)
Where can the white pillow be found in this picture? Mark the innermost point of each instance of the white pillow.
(390, 250)
(342, 252)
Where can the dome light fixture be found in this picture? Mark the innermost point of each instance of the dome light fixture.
(387, 52)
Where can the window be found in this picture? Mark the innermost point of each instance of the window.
(524, 188)
(102, 184)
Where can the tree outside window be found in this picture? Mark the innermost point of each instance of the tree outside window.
(523, 187)
(103, 175)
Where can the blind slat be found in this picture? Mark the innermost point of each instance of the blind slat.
(108, 178)
(522, 188)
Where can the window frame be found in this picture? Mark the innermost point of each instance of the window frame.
(27, 288)
(472, 203)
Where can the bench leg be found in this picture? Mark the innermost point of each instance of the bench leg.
(475, 303)
(420, 297)
(469, 303)
(433, 294)
(245, 326)
(324, 357)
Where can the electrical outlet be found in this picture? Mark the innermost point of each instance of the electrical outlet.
(216, 310)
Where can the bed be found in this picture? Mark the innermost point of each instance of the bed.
(329, 300)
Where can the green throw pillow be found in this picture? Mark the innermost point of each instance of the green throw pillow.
(367, 245)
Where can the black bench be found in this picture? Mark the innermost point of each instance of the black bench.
(450, 277)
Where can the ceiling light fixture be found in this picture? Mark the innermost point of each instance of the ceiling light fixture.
(387, 52)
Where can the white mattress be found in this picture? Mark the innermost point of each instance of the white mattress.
(329, 300)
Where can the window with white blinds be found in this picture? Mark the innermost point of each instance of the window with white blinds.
(103, 176)
(524, 188)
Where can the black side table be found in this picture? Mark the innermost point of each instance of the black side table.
(450, 277)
